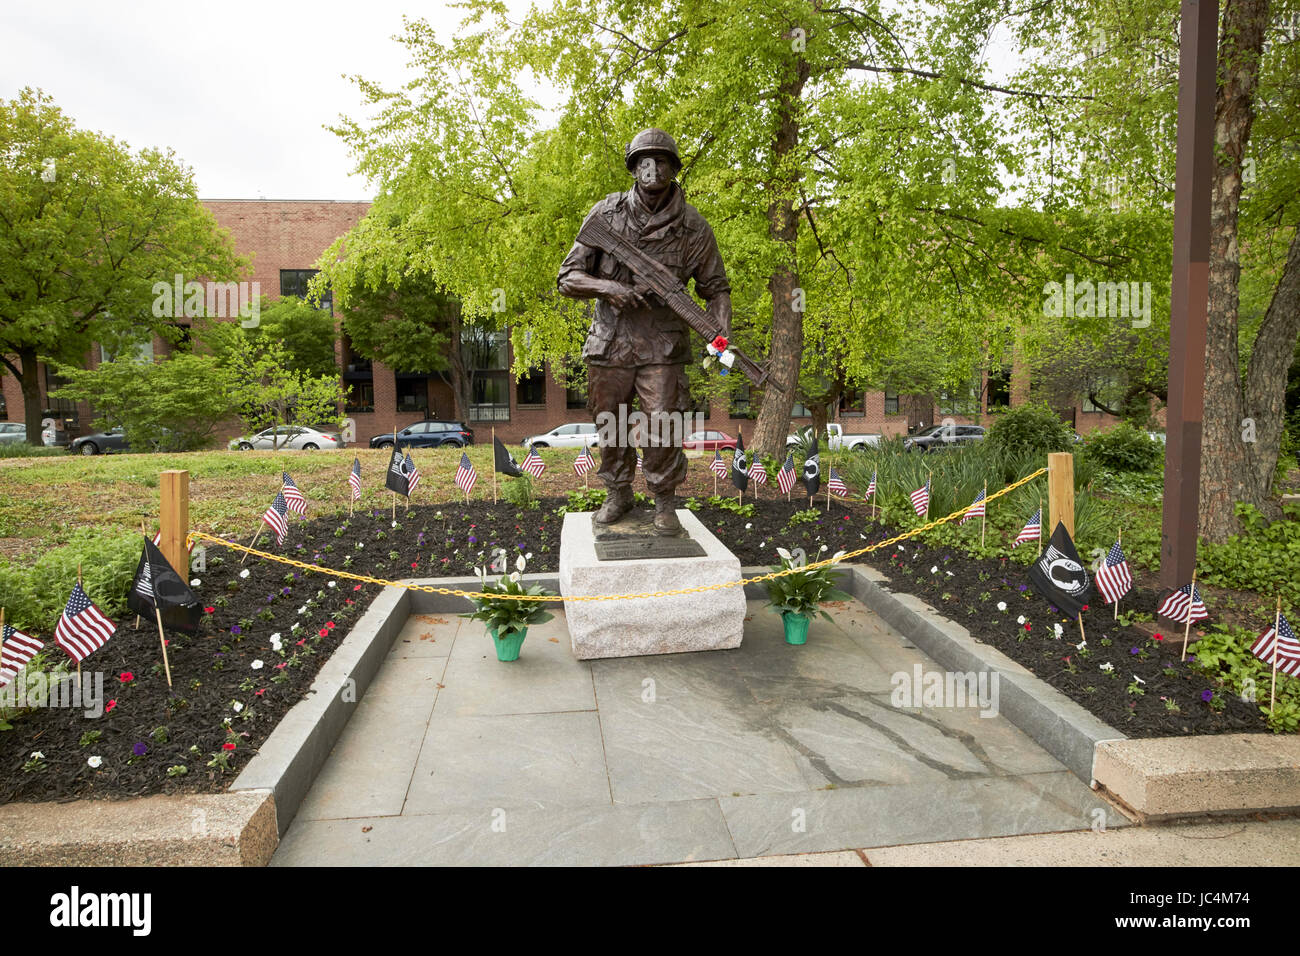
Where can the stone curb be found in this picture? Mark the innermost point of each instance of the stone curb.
(195, 829)
(1058, 724)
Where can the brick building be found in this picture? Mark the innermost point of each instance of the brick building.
(286, 237)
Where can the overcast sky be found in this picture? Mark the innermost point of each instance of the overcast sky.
(239, 89)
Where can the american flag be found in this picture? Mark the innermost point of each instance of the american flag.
(277, 516)
(466, 476)
(292, 496)
(1288, 648)
(1113, 578)
(533, 463)
(871, 488)
(82, 629)
(758, 473)
(1033, 531)
(718, 466)
(412, 474)
(836, 484)
(921, 498)
(584, 462)
(354, 478)
(639, 461)
(17, 649)
(976, 509)
(1183, 604)
(785, 477)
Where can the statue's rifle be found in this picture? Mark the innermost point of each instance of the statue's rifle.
(653, 276)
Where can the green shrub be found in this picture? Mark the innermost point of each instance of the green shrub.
(1031, 428)
(34, 596)
(518, 491)
(1125, 448)
(1264, 558)
(18, 449)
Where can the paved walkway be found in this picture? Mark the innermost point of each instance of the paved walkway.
(455, 758)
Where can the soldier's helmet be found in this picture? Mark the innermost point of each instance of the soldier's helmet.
(651, 140)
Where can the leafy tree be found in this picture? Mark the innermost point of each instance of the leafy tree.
(305, 331)
(267, 391)
(174, 404)
(1029, 428)
(86, 229)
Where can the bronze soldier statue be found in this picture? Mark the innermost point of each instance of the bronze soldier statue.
(637, 345)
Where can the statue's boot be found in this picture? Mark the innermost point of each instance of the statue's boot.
(618, 502)
(666, 515)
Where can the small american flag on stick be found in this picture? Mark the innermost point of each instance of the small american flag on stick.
(277, 516)
(785, 478)
(1032, 531)
(293, 498)
(921, 498)
(82, 628)
(1287, 647)
(976, 509)
(412, 474)
(1113, 577)
(758, 473)
(584, 462)
(16, 649)
(466, 476)
(533, 463)
(836, 484)
(1184, 605)
(718, 466)
(354, 479)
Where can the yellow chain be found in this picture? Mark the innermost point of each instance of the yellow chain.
(433, 589)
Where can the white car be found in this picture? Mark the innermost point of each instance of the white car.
(572, 435)
(288, 436)
(838, 439)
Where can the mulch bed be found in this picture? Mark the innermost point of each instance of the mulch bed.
(213, 670)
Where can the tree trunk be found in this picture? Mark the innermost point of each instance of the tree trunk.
(773, 422)
(31, 389)
(1233, 465)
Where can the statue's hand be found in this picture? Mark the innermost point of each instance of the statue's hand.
(623, 296)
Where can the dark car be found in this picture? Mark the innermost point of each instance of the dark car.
(427, 434)
(100, 443)
(943, 437)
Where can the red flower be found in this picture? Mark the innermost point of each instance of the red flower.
(357, 588)
(227, 746)
(322, 632)
(167, 641)
(109, 706)
(1158, 637)
(279, 665)
(1085, 607)
(329, 625)
(126, 677)
(349, 601)
(304, 640)
(1027, 626)
(720, 343)
(415, 564)
(259, 693)
(209, 610)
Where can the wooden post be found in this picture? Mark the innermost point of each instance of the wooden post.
(1060, 491)
(174, 519)
(162, 642)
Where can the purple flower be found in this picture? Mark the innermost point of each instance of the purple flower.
(234, 629)
(1207, 695)
(473, 540)
(284, 591)
(1132, 650)
(270, 598)
(1021, 588)
(139, 749)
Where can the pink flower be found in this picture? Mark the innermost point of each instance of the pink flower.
(109, 706)
(126, 677)
(227, 746)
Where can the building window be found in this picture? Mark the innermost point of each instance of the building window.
(412, 393)
(852, 403)
(142, 351)
(575, 385)
(742, 403)
(891, 402)
(1000, 387)
(800, 410)
(961, 401)
(63, 409)
(361, 395)
(294, 282)
(490, 397)
(531, 389)
(487, 354)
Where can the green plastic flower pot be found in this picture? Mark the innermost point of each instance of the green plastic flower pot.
(508, 646)
(796, 627)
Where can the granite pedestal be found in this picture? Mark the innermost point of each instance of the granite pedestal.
(708, 621)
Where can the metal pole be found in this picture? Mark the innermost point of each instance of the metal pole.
(1193, 181)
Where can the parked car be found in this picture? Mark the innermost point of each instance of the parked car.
(709, 441)
(288, 436)
(837, 439)
(100, 443)
(12, 433)
(572, 435)
(942, 437)
(430, 433)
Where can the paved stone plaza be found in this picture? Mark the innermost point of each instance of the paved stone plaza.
(455, 758)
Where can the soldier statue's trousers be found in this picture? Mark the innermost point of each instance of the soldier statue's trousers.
(661, 388)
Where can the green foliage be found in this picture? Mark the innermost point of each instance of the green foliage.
(305, 331)
(504, 615)
(583, 499)
(24, 450)
(1263, 559)
(803, 591)
(1125, 448)
(1223, 655)
(733, 505)
(519, 491)
(1031, 428)
(809, 515)
(35, 594)
(174, 404)
(267, 391)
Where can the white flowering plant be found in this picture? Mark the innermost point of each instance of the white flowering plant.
(505, 615)
(804, 590)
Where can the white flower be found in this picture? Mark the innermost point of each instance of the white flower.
(934, 569)
(225, 721)
(438, 514)
(528, 556)
(1002, 605)
(394, 524)
(1081, 645)
(1107, 667)
(514, 576)
(295, 626)
(332, 584)
(244, 573)
(900, 547)
(275, 637)
(520, 563)
(783, 553)
(360, 544)
(949, 573)
(195, 583)
(1020, 619)
(95, 762)
(838, 554)
(748, 525)
(37, 755)
(237, 706)
(1058, 629)
(256, 665)
(1138, 679)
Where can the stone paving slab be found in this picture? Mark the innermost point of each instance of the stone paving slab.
(587, 836)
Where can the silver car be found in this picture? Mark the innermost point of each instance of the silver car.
(288, 436)
(572, 435)
(12, 433)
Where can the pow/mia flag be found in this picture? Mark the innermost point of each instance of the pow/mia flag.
(397, 478)
(503, 461)
(740, 464)
(812, 470)
(1060, 576)
(156, 584)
